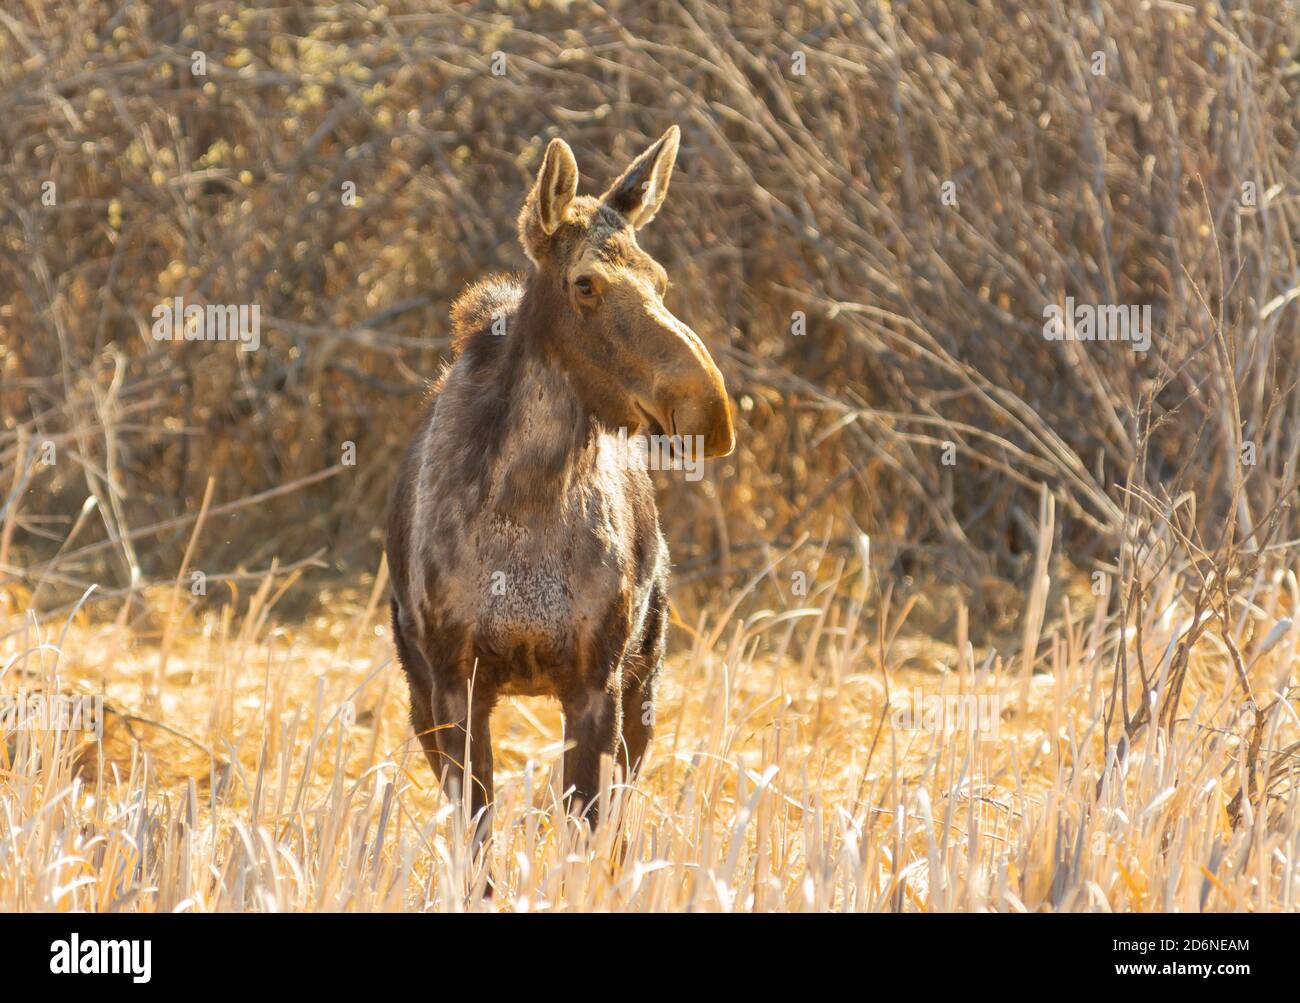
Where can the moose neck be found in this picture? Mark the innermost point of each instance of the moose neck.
(548, 438)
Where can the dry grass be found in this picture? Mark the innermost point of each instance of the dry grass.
(286, 778)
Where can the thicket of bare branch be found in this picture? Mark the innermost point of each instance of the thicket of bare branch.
(1169, 179)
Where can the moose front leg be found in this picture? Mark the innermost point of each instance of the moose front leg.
(462, 727)
(591, 724)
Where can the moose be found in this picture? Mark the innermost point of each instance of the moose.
(524, 548)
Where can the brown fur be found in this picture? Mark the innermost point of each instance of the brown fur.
(524, 549)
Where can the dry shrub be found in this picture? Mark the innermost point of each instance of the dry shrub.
(819, 193)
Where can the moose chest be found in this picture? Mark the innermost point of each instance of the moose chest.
(534, 593)
(542, 587)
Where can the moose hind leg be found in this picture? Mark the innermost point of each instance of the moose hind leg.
(638, 726)
(639, 675)
(419, 679)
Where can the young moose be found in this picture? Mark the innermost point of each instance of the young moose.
(523, 543)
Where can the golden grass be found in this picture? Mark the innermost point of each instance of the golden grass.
(271, 767)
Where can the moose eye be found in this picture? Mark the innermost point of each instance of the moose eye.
(586, 289)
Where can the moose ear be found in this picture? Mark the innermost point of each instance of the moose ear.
(556, 185)
(640, 190)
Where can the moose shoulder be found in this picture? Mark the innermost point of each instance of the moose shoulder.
(524, 547)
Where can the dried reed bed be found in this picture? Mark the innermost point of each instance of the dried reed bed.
(267, 767)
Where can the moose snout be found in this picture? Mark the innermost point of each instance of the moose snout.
(689, 395)
(704, 411)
